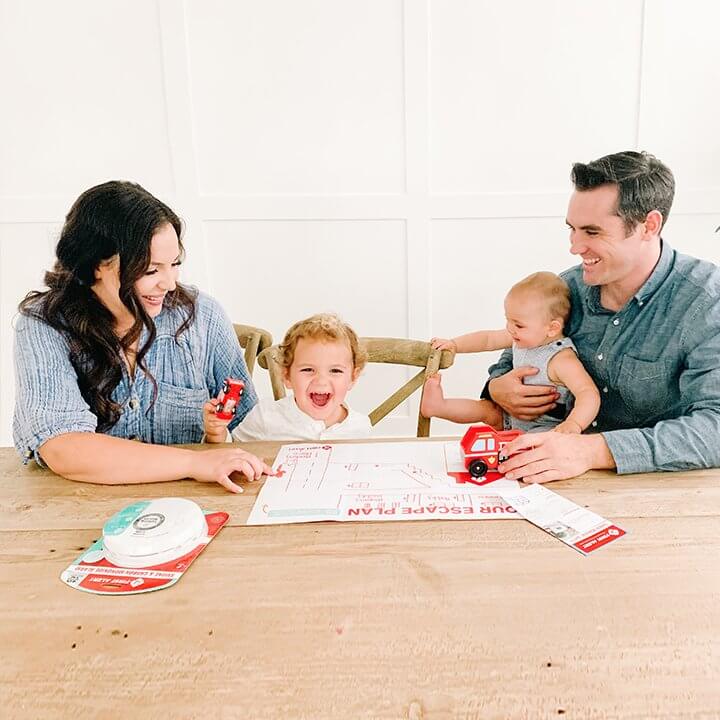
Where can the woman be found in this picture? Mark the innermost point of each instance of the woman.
(117, 351)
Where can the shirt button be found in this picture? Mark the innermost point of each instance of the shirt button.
(640, 303)
(616, 321)
(594, 423)
(605, 389)
(600, 356)
(134, 403)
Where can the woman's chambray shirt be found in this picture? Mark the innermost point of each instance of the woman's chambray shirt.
(188, 371)
(656, 363)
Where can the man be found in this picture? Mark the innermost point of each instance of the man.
(646, 322)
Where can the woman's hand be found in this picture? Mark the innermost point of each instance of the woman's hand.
(219, 465)
(215, 427)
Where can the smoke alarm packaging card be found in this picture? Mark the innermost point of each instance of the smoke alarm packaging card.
(578, 527)
(146, 546)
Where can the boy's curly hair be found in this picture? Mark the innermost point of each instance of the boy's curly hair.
(326, 327)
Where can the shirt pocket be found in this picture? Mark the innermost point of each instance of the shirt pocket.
(179, 414)
(645, 387)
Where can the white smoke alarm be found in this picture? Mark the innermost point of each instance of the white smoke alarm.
(152, 532)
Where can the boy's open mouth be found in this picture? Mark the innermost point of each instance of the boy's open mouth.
(320, 399)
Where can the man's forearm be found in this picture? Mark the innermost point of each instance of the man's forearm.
(689, 442)
(600, 456)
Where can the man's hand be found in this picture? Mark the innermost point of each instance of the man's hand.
(548, 456)
(215, 427)
(224, 466)
(525, 402)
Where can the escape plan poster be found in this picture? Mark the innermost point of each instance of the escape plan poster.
(377, 481)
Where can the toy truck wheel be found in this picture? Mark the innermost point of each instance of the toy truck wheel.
(477, 468)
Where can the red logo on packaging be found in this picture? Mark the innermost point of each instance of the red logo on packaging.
(600, 538)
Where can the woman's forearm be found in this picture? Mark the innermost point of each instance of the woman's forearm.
(107, 460)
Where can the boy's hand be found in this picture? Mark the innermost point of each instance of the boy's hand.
(568, 426)
(215, 427)
(443, 344)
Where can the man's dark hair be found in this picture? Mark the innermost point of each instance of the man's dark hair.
(644, 183)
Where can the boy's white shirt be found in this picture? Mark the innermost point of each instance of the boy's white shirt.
(284, 420)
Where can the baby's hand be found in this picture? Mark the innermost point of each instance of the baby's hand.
(442, 344)
(215, 427)
(569, 427)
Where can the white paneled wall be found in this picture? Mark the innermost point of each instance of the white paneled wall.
(402, 163)
(520, 89)
(298, 97)
(83, 97)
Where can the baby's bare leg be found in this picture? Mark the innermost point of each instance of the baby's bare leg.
(459, 410)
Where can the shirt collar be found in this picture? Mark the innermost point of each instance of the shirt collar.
(658, 275)
(647, 289)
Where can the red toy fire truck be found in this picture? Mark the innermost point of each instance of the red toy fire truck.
(229, 398)
(482, 448)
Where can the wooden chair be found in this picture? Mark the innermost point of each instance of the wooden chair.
(415, 353)
(253, 340)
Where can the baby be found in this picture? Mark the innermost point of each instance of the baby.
(536, 310)
(321, 359)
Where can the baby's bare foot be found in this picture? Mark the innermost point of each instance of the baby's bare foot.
(432, 398)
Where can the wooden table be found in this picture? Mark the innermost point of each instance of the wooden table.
(462, 619)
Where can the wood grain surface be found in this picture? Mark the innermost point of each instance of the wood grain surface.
(461, 619)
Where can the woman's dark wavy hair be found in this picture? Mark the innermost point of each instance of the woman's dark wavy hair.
(113, 219)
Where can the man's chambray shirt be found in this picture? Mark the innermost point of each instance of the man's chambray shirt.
(656, 363)
(187, 371)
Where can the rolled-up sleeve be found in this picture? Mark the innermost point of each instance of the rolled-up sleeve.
(689, 441)
(48, 401)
